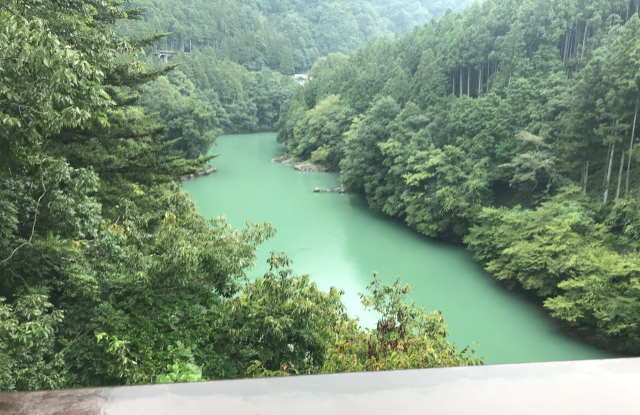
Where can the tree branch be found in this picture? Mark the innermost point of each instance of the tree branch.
(9, 9)
(33, 227)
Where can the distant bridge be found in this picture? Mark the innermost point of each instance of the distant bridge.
(301, 78)
(165, 55)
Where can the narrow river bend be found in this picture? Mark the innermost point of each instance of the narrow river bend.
(341, 243)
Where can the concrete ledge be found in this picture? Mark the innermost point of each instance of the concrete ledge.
(584, 387)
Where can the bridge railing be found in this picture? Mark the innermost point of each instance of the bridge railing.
(584, 387)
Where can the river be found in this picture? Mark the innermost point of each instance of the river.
(341, 243)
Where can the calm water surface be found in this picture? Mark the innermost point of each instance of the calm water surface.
(341, 243)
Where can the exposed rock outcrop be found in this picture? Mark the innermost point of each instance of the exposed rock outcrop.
(303, 166)
(339, 189)
(203, 173)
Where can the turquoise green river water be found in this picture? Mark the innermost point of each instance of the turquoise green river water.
(341, 243)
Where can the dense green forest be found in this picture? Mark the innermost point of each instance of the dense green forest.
(108, 275)
(240, 54)
(510, 127)
(283, 35)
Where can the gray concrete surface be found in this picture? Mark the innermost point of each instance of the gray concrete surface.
(584, 388)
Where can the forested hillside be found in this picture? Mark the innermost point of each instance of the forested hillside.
(284, 35)
(108, 275)
(239, 55)
(510, 127)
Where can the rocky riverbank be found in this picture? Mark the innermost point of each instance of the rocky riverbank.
(206, 172)
(303, 166)
(338, 189)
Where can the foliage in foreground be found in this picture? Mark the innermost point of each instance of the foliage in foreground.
(108, 275)
(405, 337)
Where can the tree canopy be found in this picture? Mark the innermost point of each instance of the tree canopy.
(287, 36)
(240, 55)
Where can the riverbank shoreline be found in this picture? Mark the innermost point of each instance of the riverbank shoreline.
(206, 172)
(304, 166)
